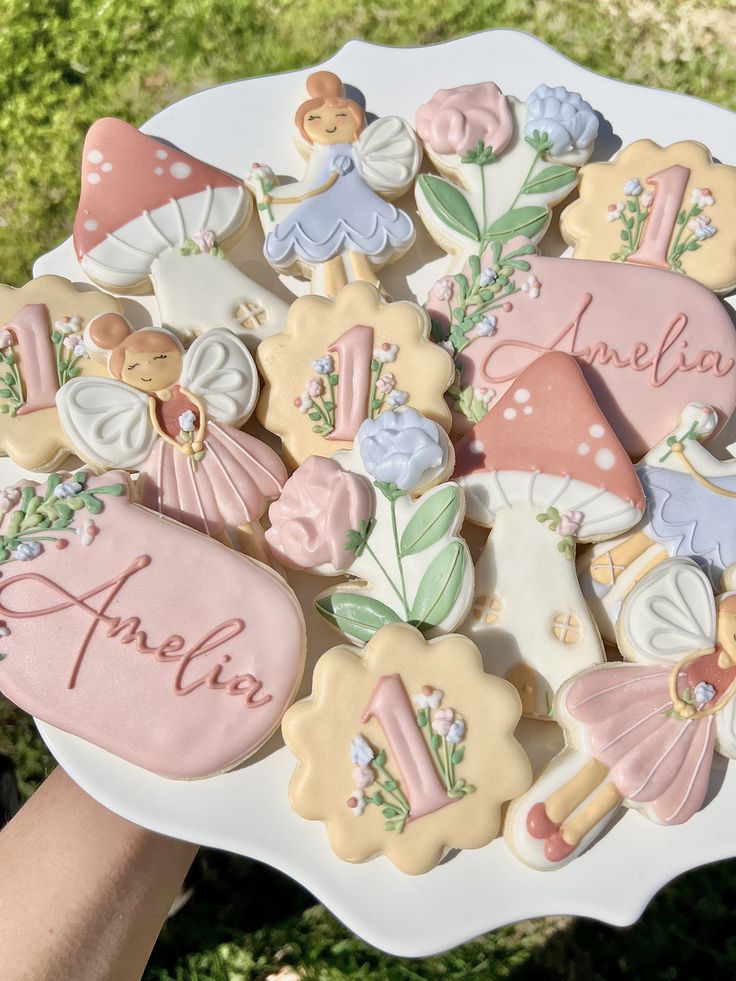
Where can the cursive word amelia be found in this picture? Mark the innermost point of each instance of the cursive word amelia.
(127, 630)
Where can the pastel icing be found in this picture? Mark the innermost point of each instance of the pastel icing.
(455, 119)
(649, 341)
(545, 469)
(364, 744)
(110, 638)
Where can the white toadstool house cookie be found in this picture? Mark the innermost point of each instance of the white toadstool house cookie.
(546, 470)
(150, 214)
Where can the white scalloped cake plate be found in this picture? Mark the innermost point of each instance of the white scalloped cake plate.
(247, 811)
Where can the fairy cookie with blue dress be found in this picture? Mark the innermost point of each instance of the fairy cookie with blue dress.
(338, 224)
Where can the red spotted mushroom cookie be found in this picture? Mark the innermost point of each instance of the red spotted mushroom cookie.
(151, 214)
(545, 469)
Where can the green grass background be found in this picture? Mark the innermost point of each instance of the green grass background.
(66, 62)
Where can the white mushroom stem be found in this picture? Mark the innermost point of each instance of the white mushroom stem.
(536, 591)
(201, 291)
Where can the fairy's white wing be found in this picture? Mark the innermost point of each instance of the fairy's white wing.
(670, 613)
(388, 155)
(107, 422)
(219, 369)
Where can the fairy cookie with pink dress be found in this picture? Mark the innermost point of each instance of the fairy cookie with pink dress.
(640, 734)
(406, 748)
(338, 224)
(173, 416)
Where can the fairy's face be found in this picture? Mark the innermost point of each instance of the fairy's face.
(330, 124)
(151, 372)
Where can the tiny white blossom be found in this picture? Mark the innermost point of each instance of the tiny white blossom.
(397, 397)
(487, 326)
(703, 694)
(360, 751)
(67, 488)
(187, 421)
(428, 697)
(633, 187)
(487, 277)
(386, 353)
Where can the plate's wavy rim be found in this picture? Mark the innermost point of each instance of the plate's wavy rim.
(618, 908)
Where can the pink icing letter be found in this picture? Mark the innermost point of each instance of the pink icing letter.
(669, 188)
(30, 327)
(354, 350)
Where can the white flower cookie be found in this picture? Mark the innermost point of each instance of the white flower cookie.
(669, 207)
(343, 360)
(381, 513)
(406, 748)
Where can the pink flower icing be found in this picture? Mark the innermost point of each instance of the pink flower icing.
(455, 119)
(319, 505)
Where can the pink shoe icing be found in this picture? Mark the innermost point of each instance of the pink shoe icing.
(538, 823)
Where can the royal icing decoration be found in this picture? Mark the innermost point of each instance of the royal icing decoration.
(668, 207)
(406, 748)
(505, 163)
(112, 639)
(649, 341)
(149, 214)
(380, 513)
(41, 347)
(690, 511)
(174, 416)
(545, 469)
(642, 734)
(344, 360)
(338, 224)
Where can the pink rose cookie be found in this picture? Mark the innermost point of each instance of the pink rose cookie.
(657, 206)
(338, 224)
(640, 734)
(381, 513)
(174, 416)
(504, 163)
(42, 346)
(406, 748)
(545, 469)
(344, 360)
(691, 511)
(150, 215)
(649, 341)
(136, 633)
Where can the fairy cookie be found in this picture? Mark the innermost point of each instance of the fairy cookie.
(174, 416)
(338, 224)
(152, 216)
(649, 341)
(504, 163)
(138, 634)
(344, 360)
(643, 734)
(42, 346)
(690, 511)
(545, 469)
(381, 513)
(658, 206)
(406, 749)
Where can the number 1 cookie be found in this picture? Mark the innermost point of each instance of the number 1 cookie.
(406, 748)
(669, 207)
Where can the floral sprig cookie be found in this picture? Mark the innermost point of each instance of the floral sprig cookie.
(153, 217)
(545, 470)
(42, 347)
(382, 513)
(338, 224)
(504, 163)
(406, 748)
(642, 734)
(668, 207)
(343, 360)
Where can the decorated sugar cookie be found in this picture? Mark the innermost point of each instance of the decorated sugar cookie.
(152, 216)
(41, 347)
(406, 749)
(649, 341)
(668, 207)
(504, 163)
(642, 734)
(690, 511)
(338, 224)
(545, 469)
(174, 416)
(344, 360)
(380, 513)
(136, 633)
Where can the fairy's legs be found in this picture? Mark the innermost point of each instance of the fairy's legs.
(545, 818)
(334, 276)
(363, 269)
(560, 844)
